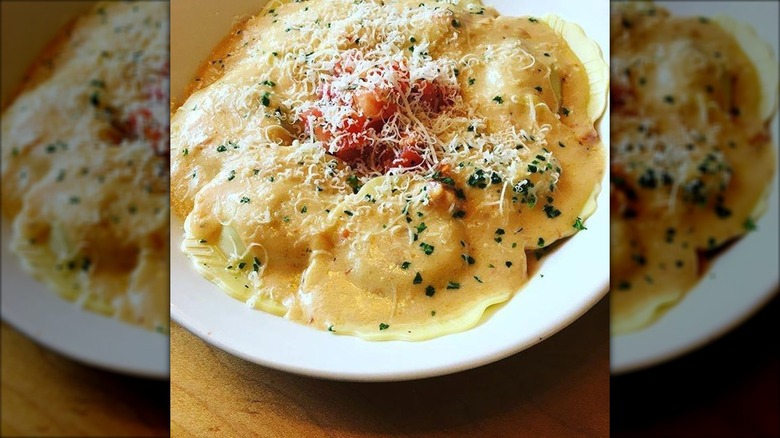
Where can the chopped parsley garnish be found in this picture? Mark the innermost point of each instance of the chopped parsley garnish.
(508, 264)
(648, 180)
(354, 182)
(453, 285)
(266, 99)
(540, 242)
(468, 259)
(417, 278)
(551, 211)
(498, 99)
(256, 265)
(459, 214)
(94, 99)
(348, 213)
(749, 225)
(269, 83)
(245, 200)
(185, 152)
(430, 291)
(232, 175)
(455, 23)
(443, 179)
(538, 88)
(477, 179)
(427, 249)
(565, 111)
(624, 285)
(532, 19)
(422, 227)
(241, 265)
(405, 265)
(722, 211)
(578, 224)
(383, 326)
(471, 81)
(478, 279)
(221, 148)
(330, 328)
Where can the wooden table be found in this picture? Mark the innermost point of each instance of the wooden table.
(730, 388)
(45, 394)
(558, 388)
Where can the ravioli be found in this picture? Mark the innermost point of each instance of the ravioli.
(692, 155)
(385, 169)
(85, 164)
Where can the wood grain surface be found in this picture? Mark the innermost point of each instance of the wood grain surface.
(558, 388)
(46, 394)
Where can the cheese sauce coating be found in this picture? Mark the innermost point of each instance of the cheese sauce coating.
(384, 169)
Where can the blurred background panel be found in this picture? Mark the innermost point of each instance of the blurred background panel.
(26, 31)
(85, 347)
(698, 359)
(729, 388)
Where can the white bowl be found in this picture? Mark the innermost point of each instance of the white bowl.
(569, 282)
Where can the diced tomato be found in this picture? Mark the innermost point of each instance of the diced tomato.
(346, 64)
(403, 81)
(141, 124)
(368, 110)
(312, 120)
(376, 104)
(408, 158)
(431, 94)
(352, 146)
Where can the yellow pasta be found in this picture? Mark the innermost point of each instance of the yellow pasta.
(384, 169)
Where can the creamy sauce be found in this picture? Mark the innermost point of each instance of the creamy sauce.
(509, 160)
